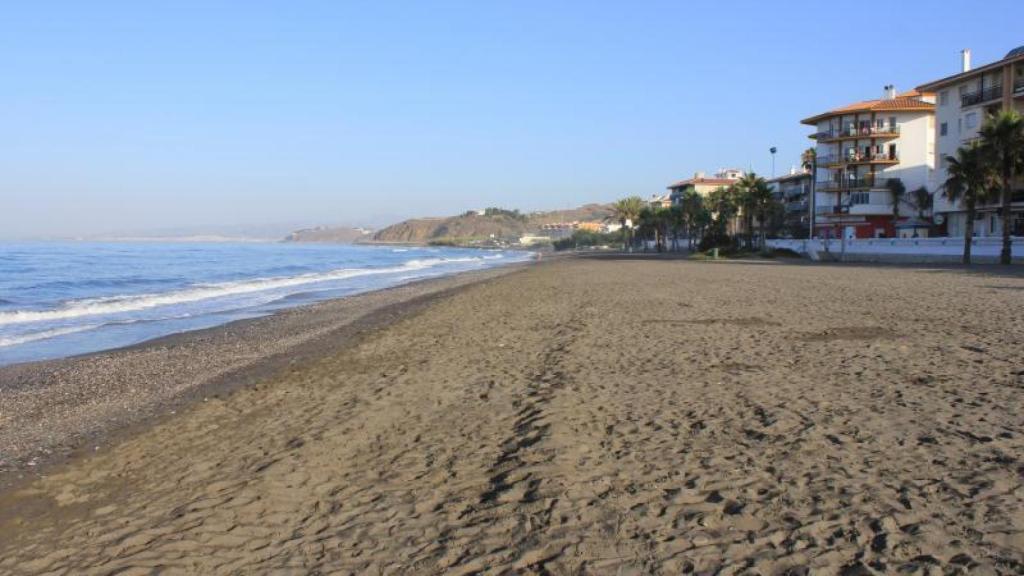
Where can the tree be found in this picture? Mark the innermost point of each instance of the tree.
(676, 224)
(695, 212)
(969, 177)
(809, 160)
(652, 225)
(722, 202)
(898, 191)
(744, 190)
(1002, 138)
(764, 202)
(627, 212)
(755, 198)
(922, 200)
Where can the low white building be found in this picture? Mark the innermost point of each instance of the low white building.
(964, 101)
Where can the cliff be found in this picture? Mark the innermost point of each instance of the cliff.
(471, 227)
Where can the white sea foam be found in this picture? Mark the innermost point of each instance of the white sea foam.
(135, 303)
(43, 335)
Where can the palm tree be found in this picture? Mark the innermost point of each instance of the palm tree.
(764, 202)
(922, 200)
(970, 177)
(627, 213)
(744, 190)
(676, 223)
(693, 209)
(722, 203)
(898, 191)
(1002, 137)
(809, 160)
(651, 226)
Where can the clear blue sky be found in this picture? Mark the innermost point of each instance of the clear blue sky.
(129, 115)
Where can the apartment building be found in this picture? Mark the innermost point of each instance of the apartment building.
(792, 192)
(860, 148)
(964, 101)
(703, 185)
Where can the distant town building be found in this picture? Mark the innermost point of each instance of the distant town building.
(964, 101)
(860, 148)
(660, 201)
(556, 230)
(703, 185)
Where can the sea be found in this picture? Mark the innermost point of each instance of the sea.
(62, 299)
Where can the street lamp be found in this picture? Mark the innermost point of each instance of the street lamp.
(773, 150)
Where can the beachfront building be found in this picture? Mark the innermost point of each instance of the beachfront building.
(964, 101)
(703, 185)
(792, 192)
(660, 201)
(860, 148)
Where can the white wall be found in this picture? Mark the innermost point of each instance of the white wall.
(952, 248)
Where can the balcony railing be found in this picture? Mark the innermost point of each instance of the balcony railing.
(990, 93)
(825, 209)
(796, 207)
(858, 158)
(853, 184)
(1018, 85)
(886, 131)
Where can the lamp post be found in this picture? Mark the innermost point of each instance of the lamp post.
(773, 150)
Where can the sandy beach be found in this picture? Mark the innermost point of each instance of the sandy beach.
(615, 415)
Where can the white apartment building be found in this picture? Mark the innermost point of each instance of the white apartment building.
(964, 100)
(860, 148)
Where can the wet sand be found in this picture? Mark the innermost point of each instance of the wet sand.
(606, 416)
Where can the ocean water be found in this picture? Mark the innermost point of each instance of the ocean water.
(62, 299)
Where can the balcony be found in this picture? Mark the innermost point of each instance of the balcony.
(981, 96)
(851, 133)
(792, 207)
(854, 184)
(857, 157)
(1018, 86)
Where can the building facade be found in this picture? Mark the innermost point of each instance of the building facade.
(793, 193)
(703, 185)
(860, 149)
(964, 100)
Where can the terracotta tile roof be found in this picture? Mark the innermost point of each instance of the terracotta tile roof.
(703, 181)
(906, 102)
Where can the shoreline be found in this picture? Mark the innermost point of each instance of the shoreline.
(47, 418)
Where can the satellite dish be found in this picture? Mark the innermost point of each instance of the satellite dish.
(940, 218)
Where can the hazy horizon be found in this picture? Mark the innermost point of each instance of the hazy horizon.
(124, 118)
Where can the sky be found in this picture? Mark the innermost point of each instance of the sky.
(143, 116)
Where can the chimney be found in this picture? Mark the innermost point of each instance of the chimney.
(889, 92)
(698, 175)
(965, 60)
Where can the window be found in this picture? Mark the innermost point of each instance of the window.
(944, 129)
(860, 198)
(971, 120)
(944, 97)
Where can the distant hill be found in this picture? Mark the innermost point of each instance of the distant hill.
(472, 227)
(337, 235)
